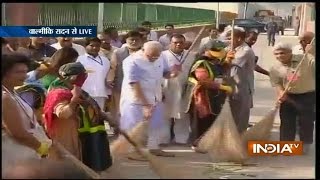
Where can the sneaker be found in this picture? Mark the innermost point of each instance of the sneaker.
(159, 152)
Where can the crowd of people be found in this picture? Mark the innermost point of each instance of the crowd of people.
(58, 91)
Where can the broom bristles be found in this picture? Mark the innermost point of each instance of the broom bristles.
(222, 140)
(120, 146)
(261, 130)
(162, 168)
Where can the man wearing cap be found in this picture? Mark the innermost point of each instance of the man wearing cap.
(206, 90)
(242, 75)
(175, 119)
(141, 94)
(74, 119)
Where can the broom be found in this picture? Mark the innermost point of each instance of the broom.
(120, 145)
(262, 130)
(222, 141)
(75, 161)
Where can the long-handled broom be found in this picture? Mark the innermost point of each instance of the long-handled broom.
(262, 130)
(120, 145)
(222, 141)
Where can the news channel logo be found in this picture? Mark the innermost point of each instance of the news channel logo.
(48, 31)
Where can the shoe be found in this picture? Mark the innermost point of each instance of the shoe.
(198, 150)
(136, 157)
(159, 152)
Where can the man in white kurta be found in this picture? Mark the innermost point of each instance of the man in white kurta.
(175, 57)
(95, 84)
(141, 94)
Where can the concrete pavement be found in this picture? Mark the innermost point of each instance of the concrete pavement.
(198, 166)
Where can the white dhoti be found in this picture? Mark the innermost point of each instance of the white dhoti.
(132, 114)
(172, 102)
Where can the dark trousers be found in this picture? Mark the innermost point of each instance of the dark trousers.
(200, 126)
(301, 108)
(271, 38)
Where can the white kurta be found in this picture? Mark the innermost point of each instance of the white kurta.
(172, 92)
(95, 83)
(149, 76)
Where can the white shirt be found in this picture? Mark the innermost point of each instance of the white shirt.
(204, 41)
(124, 45)
(148, 74)
(172, 87)
(152, 36)
(174, 59)
(165, 41)
(297, 49)
(95, 83)
(80, 49)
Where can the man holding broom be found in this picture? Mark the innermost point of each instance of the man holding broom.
(141, 94)
(299, 101)
(242, 75)
(205, 93)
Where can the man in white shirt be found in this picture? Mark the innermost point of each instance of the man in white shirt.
(141, 94)
(165, 39)
(304, 40)
(95, 84)
(152, 35)
(213, 35)
(176, 120)
(64, 41)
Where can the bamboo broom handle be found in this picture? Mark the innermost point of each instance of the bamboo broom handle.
(288, 86)
(76, 161)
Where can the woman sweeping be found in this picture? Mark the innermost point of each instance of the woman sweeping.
(205, 93)
(74, 122)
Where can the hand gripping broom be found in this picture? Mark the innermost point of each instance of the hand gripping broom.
(222, 141)
(262, 130)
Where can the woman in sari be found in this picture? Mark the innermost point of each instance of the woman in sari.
(76, 123)
(206, 90)
(22, 136)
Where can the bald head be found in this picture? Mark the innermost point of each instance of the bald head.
(306, 39)
(152, 50)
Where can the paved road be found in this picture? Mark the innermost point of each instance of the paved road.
(194, 165)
